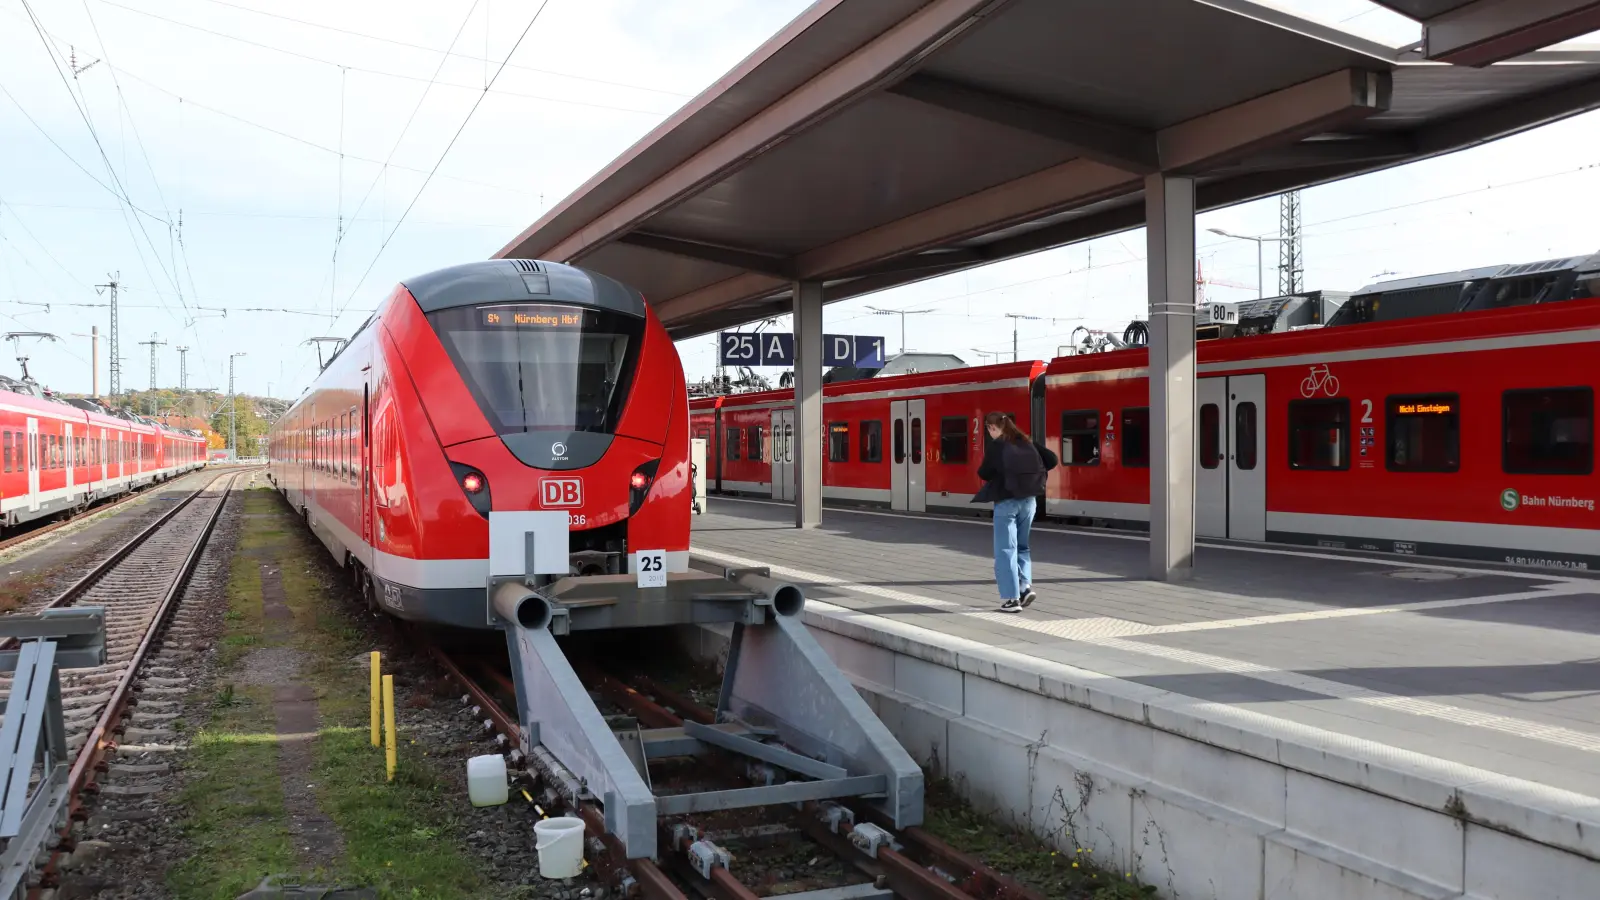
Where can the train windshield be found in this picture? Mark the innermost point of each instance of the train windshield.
(543, 367)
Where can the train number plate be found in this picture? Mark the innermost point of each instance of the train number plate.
(561, 493)
(651, 568)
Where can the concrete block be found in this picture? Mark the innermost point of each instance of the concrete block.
(1196, 851)
(929, 683)
(990, 768)
(1213, 729)
(1298, 868)
(1540, 812)
(1007, 708)
(860, 660)
(922, 729)
(1114, 741)
(1233, 780)
(1076, 806)
(1502, 867)
(1425, 843)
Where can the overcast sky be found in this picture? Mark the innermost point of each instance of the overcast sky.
(238, 117)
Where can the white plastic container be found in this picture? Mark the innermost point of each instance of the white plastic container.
(486, 780)
(560, 845)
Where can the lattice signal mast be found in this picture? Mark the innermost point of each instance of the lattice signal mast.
(1291, 265)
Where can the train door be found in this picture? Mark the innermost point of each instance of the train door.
(1231, 475)
(105, 465)
(33, 464)
(907, 469)
(782, 454)
(71, 460)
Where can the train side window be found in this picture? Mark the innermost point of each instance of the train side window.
(899, 441)
(755, 443)
(916, 441)
(1136, 437)
(872, 442)
(731, 445)
(1080, 437)
(1319, 434)
(8, 451)
(838, 442)
(1244, 435)
(1548, 431)
(1424, 433)
(1210, 436)
(953, 439)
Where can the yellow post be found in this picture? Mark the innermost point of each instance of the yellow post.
(388, 724)
(377, 697)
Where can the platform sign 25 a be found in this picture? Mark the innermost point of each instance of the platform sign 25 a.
(776, 348)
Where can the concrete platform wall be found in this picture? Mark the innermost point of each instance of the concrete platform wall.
(1205, 800)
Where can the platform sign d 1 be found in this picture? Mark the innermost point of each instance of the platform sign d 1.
(774, 348)
(860, 350)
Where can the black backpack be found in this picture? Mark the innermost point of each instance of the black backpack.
(1024, 469)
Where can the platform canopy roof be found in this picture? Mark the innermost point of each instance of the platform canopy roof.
(873, 143)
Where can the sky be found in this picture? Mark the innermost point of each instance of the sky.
(291, 162)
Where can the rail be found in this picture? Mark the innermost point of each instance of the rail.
(38, 646)
(909, 863)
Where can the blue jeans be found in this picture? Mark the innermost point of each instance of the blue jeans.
(1013, 559)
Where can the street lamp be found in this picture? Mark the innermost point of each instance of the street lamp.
(1260, 285)
(902, 313)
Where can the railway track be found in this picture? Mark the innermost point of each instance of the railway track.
(911, 863)
(139, 587)
(29, 532)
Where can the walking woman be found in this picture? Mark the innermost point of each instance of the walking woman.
(1013, 473)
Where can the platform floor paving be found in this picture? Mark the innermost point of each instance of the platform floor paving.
(1493, 668)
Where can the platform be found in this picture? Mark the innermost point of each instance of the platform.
(1464, 690)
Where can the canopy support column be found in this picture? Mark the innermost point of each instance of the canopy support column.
(1169, 214)
(807, 446)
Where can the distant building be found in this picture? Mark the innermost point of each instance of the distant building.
(902, 364)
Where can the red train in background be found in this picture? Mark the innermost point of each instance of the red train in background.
(58, 455)
(511, 385)
(1451, 415)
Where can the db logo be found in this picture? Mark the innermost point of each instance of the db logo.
(561, 493)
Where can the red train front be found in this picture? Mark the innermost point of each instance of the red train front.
(505, 385)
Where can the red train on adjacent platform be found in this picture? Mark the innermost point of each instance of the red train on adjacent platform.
(61, 455)
(1451, 415)
(515, 385)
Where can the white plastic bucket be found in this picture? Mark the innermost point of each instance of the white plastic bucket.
(560, 845)
(486, 780)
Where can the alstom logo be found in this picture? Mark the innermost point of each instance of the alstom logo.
(561, 493)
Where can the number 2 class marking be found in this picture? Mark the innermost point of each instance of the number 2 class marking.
(1366, 415)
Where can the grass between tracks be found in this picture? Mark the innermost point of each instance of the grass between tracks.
(396, 836)
(1022, 855)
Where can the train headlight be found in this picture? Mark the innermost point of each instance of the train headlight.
(639, 484)
(475, 485)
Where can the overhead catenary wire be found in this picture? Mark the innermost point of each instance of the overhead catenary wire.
(174, 231)
(440, 161)
(485, 59)
(370, 71)
(121, 190)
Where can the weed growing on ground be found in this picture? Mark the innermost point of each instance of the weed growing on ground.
(396, 835)
(1023, 856)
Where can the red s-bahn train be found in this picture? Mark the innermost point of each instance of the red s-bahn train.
(60, 455)
(506, 385)
(1451, 415)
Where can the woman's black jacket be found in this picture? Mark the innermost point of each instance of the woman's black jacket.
(1002, 458)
